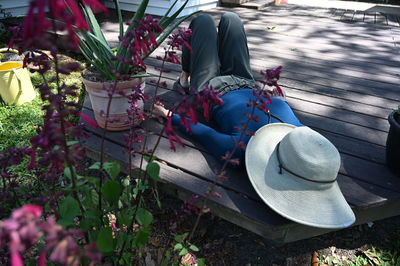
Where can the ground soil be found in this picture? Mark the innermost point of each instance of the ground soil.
(223, 243)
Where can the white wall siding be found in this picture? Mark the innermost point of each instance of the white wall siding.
(160, 7)
(15, 7)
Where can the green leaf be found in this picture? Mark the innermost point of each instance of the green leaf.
(94, 197)
(112, 168)
(69, 209)
(95, 166)
(180, 238)
(111, 191)
(153, 170)
(194, 248)
(141, 238)
(65, 223)
(144, 217)
(67, 172)
(140, 11)
(183, 252)
(72, 142)
(105, 241)
(178, 246)
(127, 257)
(201, 262)
(94, 25)
(165, 22)
(126, 182)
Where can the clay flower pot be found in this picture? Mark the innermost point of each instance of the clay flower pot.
(118, 116)
(393, 143)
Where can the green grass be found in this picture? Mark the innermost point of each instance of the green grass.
(18, 123)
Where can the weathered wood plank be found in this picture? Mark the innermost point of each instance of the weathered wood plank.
(342, 103)
(340, 88)
(358, 16)
(392, 20)
(348, 15)
(380, 19)
(328, 72)
(355, 118)
(369, 17)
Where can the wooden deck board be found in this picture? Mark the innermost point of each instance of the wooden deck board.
(341, 79)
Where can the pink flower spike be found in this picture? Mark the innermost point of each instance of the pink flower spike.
(42, 259)
(33, 209)
(88, 120)
(16, 259)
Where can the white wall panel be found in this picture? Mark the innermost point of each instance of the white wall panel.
(15, 7)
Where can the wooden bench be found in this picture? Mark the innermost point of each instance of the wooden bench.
(341, 79)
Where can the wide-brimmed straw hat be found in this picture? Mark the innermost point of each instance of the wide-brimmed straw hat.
(294, 171)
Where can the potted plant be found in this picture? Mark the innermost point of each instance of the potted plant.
(393, 142)
(116, 71)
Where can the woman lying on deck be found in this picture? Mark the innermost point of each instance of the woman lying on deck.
(292, 167)
(221, 60)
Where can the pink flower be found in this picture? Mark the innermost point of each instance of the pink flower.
(172, 137)
(181, 38)
(16, 259)
(88, 120)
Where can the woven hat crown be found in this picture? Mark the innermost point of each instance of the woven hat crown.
(307, 153)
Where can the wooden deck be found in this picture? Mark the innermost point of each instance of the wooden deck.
(341, 78)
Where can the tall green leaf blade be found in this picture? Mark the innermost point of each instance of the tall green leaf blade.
(94, 25)
(88, 54)
(168, 11)
(169, 20)
(120, 20)
(140, 11)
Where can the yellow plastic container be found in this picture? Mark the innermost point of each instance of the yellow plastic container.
(15, 83)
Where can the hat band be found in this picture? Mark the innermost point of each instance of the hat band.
(296, 175)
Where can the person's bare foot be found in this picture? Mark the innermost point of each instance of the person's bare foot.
(184, 79)
(159, 110)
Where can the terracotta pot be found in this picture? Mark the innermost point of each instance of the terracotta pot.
(118, 116)
(393, 144)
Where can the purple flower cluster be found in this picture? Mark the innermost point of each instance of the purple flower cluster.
(271, 77)
(140, 40)
(176, 42)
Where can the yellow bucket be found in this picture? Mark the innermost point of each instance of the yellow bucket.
(15, 83)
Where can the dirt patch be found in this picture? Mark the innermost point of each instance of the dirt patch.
(223, 243)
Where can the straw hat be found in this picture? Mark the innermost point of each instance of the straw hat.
(304, 188)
